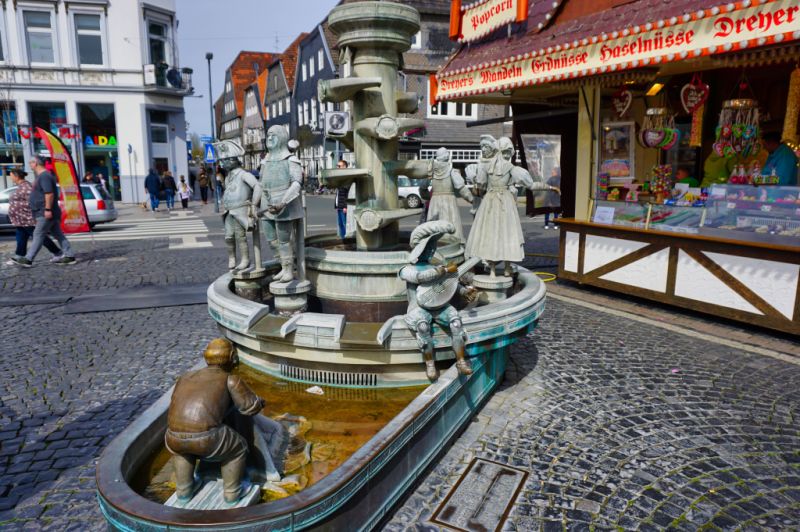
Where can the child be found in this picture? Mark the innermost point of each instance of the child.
(184, 193)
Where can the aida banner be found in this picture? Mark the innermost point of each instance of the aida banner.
(713, 31)
(485, 16)
(73, 212)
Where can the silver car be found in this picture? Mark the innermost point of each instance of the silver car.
(409, 192)
(99, 205)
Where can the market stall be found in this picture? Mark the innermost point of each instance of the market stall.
(685, 178)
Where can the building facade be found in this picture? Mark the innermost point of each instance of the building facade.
(253, 134)
(243, 72)
(105, 77)
(280, 82)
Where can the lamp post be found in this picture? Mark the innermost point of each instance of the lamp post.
(209, 57)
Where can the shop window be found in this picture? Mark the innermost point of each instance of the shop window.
(49, 116)
(157, 36)
(39, 37)
(8, 115)
(89, 38)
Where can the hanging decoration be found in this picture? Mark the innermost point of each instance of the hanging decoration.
(792, 108)
(696, 133)
(694, 94)
(621, 101)
(738, 133)
(658, 129)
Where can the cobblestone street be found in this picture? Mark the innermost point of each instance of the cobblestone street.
(621, 423)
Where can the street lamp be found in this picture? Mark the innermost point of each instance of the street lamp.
(209, 57)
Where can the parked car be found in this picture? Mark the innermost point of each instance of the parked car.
(99, 205)
(408, 192)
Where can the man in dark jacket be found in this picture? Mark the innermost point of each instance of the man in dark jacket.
(152, 186)
(195, 421)
(340, 204)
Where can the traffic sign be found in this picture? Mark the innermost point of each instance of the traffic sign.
(211, 157)
(206, 139)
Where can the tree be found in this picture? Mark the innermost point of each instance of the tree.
(197, 147)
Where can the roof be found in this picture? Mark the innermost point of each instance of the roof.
(288, 59)
(568, 22)
(260, 86)
(332, 41)
(244, 70)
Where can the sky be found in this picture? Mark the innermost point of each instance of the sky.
(225, 29)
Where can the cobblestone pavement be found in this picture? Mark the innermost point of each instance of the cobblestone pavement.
(624, 426)
(620, 424)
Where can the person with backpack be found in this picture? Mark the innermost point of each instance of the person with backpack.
(170, 188)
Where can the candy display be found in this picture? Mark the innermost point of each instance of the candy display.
(661, 181)
(602, 186)
(658, 129)
(738, 133)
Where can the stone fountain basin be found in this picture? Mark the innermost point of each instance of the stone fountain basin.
(327, 349)
(355, 496)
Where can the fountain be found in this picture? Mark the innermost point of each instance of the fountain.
(380, 416)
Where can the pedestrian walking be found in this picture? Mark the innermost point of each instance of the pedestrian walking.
(88, 178)
(170, 188)
(219, 181)
(102, 182)
(152, 186)
(184, 193)
(340, 204)
(19, 212)
(552, 200)
(202, 182)
(47, 215)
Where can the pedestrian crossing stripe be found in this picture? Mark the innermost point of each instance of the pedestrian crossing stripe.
(182, 229)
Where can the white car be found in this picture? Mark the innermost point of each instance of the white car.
(408, 192)
(99, 205)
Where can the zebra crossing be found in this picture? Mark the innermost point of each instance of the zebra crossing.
(184, 229)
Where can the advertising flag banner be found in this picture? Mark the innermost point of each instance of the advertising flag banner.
(73, 213)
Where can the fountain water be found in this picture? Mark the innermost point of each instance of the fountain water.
(350, 338)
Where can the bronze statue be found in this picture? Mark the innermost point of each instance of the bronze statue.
(496, 233)
(195, 429)
(445, 183)
(242, 193)
(281, 207)
(431, 286)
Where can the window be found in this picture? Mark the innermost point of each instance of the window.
(89, 39)
(280, 107)
(266, 111)
(287, 106)
(39, 37)
(157, 34)
(300, 114)
(158, 134)
(311, 67)
(314, 114)
(320, 53)
(227, 86)
(304, 72)
(416, 40)
(305, 113)
(272, 107)
(453, 110)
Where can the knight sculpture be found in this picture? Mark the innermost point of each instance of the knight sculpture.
(242, 194)
(281, 208)
(431, 286)
(496, 234)
(445, 183)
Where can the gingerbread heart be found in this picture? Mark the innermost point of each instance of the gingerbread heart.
(654, 137)
(621, 101)
(694, 95)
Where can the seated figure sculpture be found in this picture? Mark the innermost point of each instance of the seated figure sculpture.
(429, 299)
(195, 428)
(242, 194)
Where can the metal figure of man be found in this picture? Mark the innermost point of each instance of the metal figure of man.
(426, 269)
(195, 421)
(281, 207)
(242, 194)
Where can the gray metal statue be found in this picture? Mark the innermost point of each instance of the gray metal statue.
(242, 195)
(431, 287)
(446, 182)
(496, 234)
(281, 207)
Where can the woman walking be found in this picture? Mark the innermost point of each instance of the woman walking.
(19, 212)
(184, 193)
(202, 182)
(169, 189)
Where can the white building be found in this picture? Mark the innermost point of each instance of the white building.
(104, 76)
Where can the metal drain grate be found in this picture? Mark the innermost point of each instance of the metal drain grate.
(331, 378)
(482, 497)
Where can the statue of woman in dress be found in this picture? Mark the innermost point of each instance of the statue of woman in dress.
(496, 234)
(446, 182)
